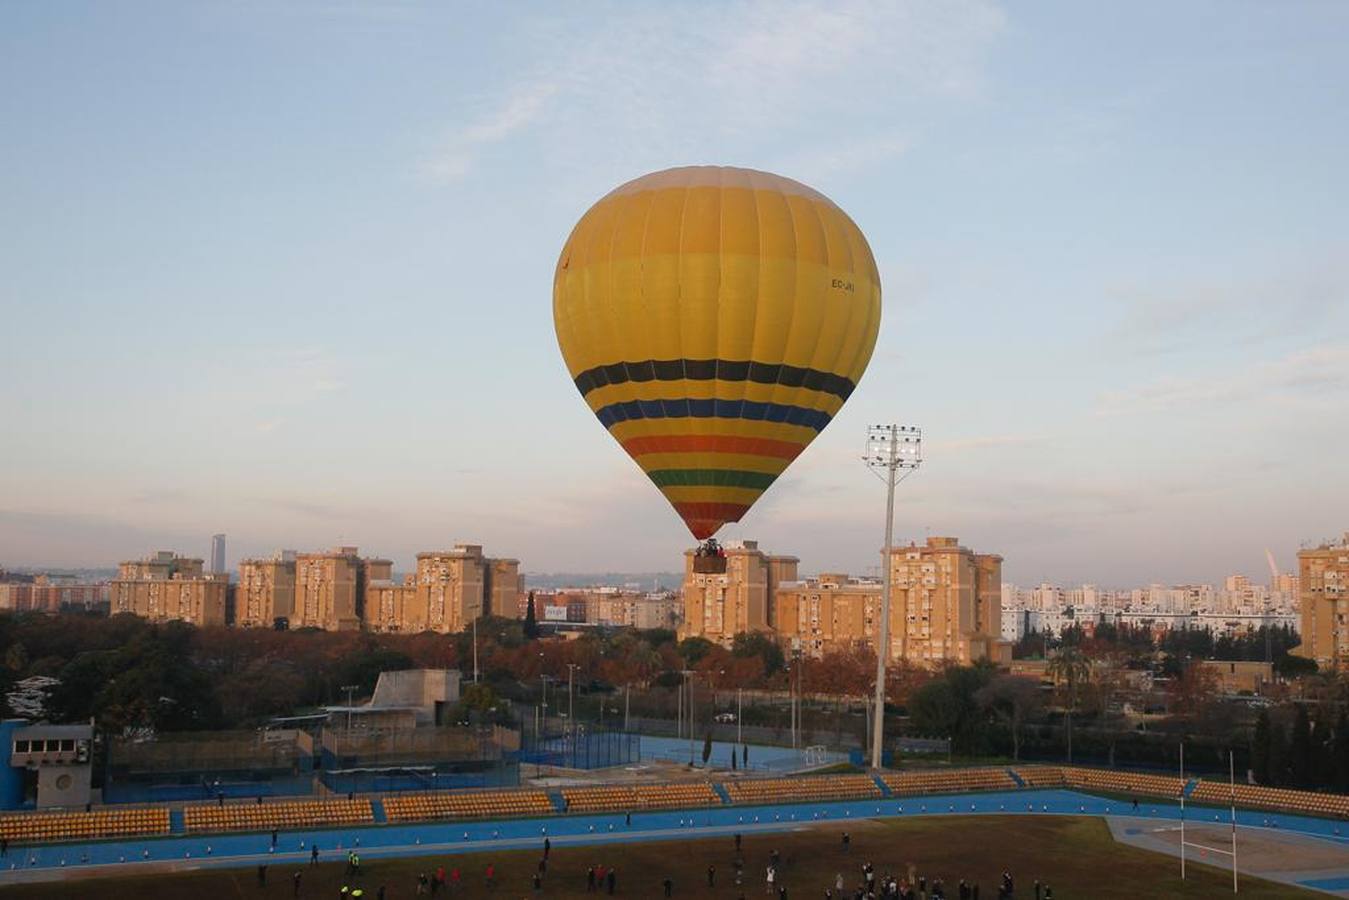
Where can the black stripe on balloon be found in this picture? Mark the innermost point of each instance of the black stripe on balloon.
(714, 369)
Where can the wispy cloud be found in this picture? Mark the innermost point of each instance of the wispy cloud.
(520, 108)
(1298, 298)
(654, 85)
(1316, 376)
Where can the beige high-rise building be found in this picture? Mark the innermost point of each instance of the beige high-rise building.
(266, 591)
(1323, 582)
(659, 609)
(449, 590)
(163, 565)
(330, 588)
(167, 587)
(390, 606)
(502, 587)
(725, 596)
(946, 604)
(828, 613)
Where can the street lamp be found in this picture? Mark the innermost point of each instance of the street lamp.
(893, 453)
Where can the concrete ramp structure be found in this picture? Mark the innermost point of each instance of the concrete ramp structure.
(431, 693)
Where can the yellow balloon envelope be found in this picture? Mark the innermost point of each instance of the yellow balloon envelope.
(715, 320)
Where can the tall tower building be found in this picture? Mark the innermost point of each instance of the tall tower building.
(218, 554)
(735, 594)
(167, 587)
(330, 588)
(1323, 586)
(449, 589)
(266, 591)
(945, 605)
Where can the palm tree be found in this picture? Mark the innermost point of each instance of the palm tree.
(1072, 667)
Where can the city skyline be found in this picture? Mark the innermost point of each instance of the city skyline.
(284, 274)
(809, 568)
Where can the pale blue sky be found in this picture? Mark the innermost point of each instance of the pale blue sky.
(284, 271)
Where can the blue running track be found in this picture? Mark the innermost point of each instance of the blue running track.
(375, 841)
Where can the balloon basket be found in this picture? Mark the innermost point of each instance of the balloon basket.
(709, 565)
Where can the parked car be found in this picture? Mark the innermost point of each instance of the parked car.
(724, 717)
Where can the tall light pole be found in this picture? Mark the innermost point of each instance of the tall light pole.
(350, 689)
(571, 685)
(893, 452)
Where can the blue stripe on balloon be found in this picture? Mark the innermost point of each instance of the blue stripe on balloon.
(712, 409)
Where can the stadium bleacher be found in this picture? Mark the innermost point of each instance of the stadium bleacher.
(818, 787)
(948, 781)
(1041, 776)
(44, 827)
(467, 805)
(1284, 799)
(1114, 781)
(286, 814)
(114, 822)
(622, 798)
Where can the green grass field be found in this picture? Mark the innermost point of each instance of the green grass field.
(1076, 856)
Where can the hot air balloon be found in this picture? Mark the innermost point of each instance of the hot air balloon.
(715, 319)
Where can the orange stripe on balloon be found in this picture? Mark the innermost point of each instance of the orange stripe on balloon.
(712, 443)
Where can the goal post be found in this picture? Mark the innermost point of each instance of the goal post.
(1232, 784)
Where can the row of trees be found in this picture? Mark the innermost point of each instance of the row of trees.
(1302, 753)
(129, 673)
(1135, 644)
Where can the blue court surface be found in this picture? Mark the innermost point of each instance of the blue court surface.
(375, 841)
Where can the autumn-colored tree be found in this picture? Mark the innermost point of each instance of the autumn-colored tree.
(1195, 688)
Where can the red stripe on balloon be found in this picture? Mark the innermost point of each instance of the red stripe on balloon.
(703, 519)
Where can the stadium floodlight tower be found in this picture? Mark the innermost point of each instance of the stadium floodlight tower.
(893, 452)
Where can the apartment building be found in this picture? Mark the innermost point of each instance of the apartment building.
(266, 591)
(1323, 579)
(167, 587)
